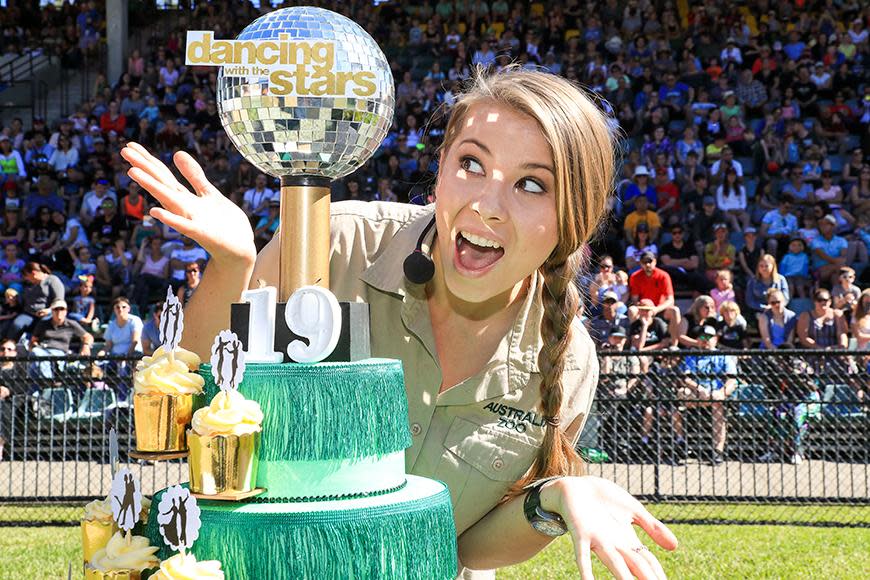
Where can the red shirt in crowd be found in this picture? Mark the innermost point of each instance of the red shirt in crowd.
(118, 124)
(657, 287)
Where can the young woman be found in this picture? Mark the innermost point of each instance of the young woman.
(731, 199)
(766, 277)
(776, 325)
(488, 314)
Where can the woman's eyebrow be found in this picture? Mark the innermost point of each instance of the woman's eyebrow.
(486, 150)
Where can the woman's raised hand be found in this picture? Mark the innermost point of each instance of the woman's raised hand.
(601, 517)
(205, 214)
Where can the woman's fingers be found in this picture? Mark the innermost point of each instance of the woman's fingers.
(656, 565)
(193, 173)
(151, 164)
(638, 564)
(179, 223)
(584, 560)
(168, 196)
(659, 532)
(614, 561)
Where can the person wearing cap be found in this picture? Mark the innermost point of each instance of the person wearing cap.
(639, 187)
(680, 260)
(92, 202)
(654, 285)
(731, 54)
(709, 380)
(54, 336)
(828, 251)
(779, 225)
(107, 226)
(641, 215)
(604, 322)
(38, 148)
(720, 253)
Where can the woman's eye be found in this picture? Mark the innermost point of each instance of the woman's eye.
(471, 165)
(530, 185)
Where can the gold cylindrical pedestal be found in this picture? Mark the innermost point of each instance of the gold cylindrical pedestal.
(161, 421)
(304, 234)
(95, 535)
(222, 463)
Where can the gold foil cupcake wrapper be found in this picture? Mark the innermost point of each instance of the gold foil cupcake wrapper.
(221, 463)
(95, 535)
(91, 574)
(161, 421)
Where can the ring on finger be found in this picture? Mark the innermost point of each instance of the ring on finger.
(639, 549)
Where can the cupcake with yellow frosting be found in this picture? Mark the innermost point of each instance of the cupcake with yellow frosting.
(98, 526)
(121, 560)
(163, 391)
(185, 567)
(224, 442)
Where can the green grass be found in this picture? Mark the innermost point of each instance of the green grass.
(706, 551)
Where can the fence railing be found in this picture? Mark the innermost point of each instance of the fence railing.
(712, 433)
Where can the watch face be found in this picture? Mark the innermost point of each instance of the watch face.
(548, 527)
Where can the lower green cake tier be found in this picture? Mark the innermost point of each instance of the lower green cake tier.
(407, 533)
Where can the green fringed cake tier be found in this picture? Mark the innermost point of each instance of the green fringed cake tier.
(329, 429)
(408, 534)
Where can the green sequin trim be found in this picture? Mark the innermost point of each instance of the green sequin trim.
(314, 498)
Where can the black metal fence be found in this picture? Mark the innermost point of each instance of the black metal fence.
(707, 436)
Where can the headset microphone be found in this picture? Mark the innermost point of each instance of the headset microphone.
(418, 266)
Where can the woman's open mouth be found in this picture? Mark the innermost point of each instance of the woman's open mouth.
(476, 254)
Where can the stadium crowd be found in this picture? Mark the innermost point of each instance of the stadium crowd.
(741, 217)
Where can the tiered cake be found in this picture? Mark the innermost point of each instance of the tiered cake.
(338, 502)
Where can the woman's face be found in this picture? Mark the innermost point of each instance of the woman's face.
(729, 316)
(764, 268)
(496, 204)
(122, 310)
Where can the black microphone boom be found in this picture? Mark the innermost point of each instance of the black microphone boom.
(418, 267)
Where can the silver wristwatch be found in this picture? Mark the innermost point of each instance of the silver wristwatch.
(548, 523)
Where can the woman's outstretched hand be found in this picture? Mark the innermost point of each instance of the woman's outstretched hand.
(600, 516)
(205, 214)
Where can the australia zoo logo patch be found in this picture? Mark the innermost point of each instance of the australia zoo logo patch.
(514, 419)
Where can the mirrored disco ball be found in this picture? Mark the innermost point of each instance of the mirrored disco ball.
(294, 134)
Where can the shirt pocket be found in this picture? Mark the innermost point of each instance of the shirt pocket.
(484, 462)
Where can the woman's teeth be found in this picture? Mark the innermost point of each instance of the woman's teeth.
(480, 241)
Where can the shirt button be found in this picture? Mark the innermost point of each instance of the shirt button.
(497, 463)
(416, 429)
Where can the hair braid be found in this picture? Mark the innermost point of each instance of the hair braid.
(561, 302)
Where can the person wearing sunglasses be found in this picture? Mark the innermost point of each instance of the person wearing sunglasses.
(822, 327)
(13, 387)
(191, 283)
(776, 325)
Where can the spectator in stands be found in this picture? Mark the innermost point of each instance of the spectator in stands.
(609, 317)
(822, 327)
(654, 284)
(828, 251)
(11, 268)
(92, 203)
(795, 266)
(9, 309)
(719, 254)
(641, 246)
(151, 331)
(150, 273)
(42, 289)
(191, 283)
(861, 325)
(603, 281)
(622, 372)
(701, 314)
(641, 187)
(12, 387)
(704, 222)
(11, 164)
(54, 336)
(43, 234)
(709, 380)
(107, 226)
(84, 305)
(124, 334)
(680, 260)
(776, 325)
(13, 230)
(188, 253)
(766, 277)
(114, 268)
(749, 254)
(732, 327)
(724, 290)
(257, 199)
(779, 226)
(266, 227)
(731, 199)
(648, 331)
(64, 157)
(645, 216)
(845, 294)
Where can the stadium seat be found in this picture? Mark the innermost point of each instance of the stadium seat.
(56, 404)
(749, 397)
(841, 401)
(751, 185)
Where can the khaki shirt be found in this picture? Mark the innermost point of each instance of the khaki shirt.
(481, 435)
